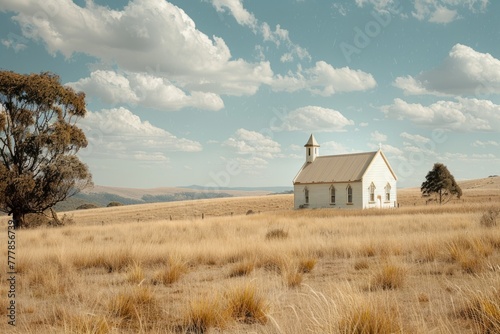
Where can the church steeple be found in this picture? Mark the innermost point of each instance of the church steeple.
(312, 149)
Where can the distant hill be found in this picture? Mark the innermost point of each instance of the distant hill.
(101, 196)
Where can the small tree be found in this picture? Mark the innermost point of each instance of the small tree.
(440, 182)
(38, 143)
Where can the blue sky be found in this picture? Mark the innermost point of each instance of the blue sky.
(227, 92)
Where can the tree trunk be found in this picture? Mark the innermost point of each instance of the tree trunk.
(18, 219)
(440, 196)
(56, 222)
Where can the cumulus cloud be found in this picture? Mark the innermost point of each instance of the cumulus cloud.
(445, 11)
(145, 36)
(434, 11)
(443, 15)
(325, 80)
(378, 137)
(463, 114)
(314, 119)
(118, 133)
(253, 143)
(415, 138)
(148, 90)
(479, 143)
(279, 36)
(334, 148)
(241, 15)
(463, 72)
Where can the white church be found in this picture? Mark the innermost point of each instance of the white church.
(359, 180)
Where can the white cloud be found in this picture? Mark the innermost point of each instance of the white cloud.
(145, 36)
(248, 142)
(149, 91)
(435, 11)
(443, 15)
(241, 15)
(325, 80)
(464, 71)
(340, 8)
(334, 148)
(486, 156)
(463, 114)
(118, 133)
(378, 137)
(314, 119)
(415, 138)
(479, 143)
(386, 148)
(439, 11)
(279, 36)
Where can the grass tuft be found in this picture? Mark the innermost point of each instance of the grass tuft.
(135, 274)
(306, 265)
(484, 311)
(369, 319)
(389, 277)
(246, 305)
(276, 234)
(135, 305)
(174, 270)
(489, 218)
(206, 313)
(242, 269)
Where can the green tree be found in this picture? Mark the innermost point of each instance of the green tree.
(38, 143)
(441, 183)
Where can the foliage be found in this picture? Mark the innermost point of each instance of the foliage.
(441, 182)
(110, 204)
(87, 206)
(38, 143)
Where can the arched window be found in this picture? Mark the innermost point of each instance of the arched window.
(332, 195)
(372, 192)
(349, 194)
(306, 195)
(388, 192)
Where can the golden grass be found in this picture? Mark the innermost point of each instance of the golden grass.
(432, 267)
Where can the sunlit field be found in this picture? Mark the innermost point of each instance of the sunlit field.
(150, 269)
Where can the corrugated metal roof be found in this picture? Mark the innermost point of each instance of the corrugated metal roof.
(335, 168)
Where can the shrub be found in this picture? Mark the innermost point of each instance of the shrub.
(87, 206)
(110, 204)
(35, 220)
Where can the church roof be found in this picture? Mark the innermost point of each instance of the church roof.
(335, 168)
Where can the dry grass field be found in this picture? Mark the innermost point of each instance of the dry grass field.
(416, 269)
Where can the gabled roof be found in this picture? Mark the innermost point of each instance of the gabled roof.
(335, 168)
(311, 142)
